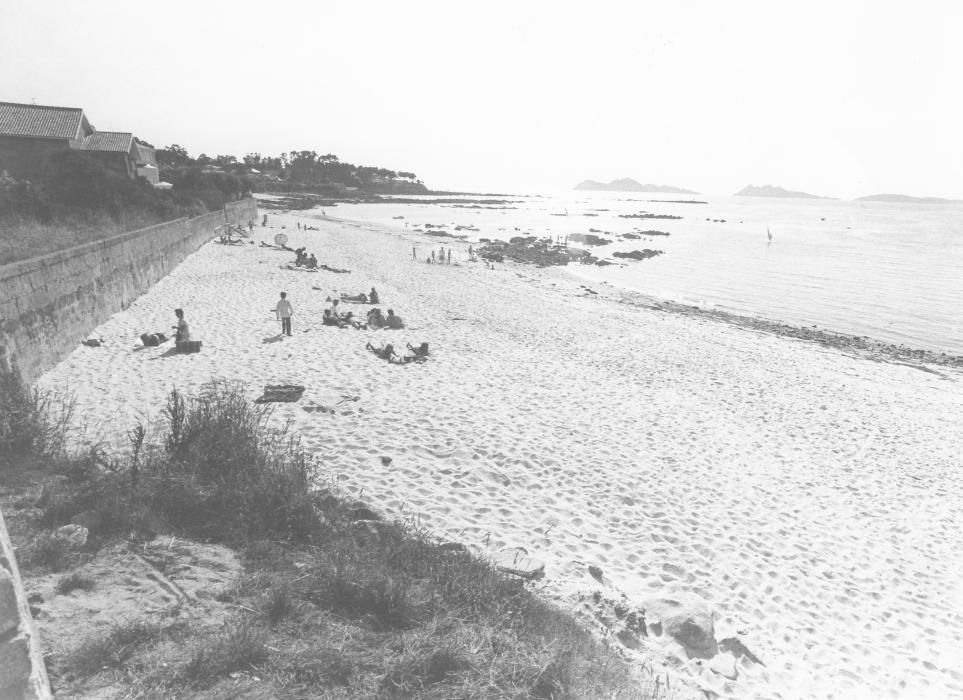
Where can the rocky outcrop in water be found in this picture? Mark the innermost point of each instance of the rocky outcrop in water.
(638, 254)
(541, 252)
(647, 215)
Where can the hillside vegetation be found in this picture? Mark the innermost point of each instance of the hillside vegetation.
(79, 200)
(331, 601)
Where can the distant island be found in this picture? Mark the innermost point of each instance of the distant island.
(629, 185)
(771, 191)
(906, 199)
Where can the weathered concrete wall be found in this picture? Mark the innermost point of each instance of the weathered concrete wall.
(49, 304)
(22, 673)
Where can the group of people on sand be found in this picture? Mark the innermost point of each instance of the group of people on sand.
(387, 352)
(302, 259)
(334, 316)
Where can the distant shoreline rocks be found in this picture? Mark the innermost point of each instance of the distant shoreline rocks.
(647, 215)
(639, 254)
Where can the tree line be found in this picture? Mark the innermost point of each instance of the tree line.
(305, 167)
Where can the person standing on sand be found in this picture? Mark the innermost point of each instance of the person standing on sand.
(449, 256)
(433, 256)
(284, 313)
(414, 253)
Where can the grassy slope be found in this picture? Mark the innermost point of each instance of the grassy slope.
(333, 602)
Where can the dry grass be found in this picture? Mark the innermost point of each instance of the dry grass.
(29, 238)
(329, 606)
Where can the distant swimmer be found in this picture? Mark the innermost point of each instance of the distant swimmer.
(769, 233)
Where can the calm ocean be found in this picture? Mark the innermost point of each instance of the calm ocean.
(889, 271)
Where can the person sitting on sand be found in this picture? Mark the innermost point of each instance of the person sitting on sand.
(373, 296)
(312, 263)
(385, 352)
(330, 319)
(420, 351)
(360, 298)
(375, 319)
(335, 309)
(183, 333)
(394, 322)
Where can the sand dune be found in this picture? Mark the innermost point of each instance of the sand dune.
(812, 498)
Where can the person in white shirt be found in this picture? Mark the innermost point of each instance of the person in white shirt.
(335, 309)
(284, 313)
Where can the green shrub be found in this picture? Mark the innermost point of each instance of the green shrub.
(33, 423)
(74, 582)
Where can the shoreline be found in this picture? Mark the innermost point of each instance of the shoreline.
(671, 455)
(862, 346)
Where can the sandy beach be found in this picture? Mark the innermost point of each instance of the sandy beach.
(813, 498)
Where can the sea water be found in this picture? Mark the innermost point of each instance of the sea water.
(893, 272)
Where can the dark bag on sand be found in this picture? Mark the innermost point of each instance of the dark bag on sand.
(152, 340)
(189, 346)
(280, 393)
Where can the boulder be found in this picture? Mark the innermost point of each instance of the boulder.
(724, 665)
(638, 254)
(628, 638)
(687, 619)
(73, 536)
(734, 646)
(90, 519)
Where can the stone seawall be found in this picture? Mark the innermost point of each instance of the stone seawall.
(22, 673)
(49, 304)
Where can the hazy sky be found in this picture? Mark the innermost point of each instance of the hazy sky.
(840, 98)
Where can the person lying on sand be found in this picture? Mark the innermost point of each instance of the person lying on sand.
(348, 318)
(385, 352)
(394, 322)
(359, 298)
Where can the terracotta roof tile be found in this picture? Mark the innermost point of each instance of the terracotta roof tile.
(38, 120)
(118, 141)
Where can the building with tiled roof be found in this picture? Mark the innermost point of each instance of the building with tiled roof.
(42, 121)
(115, 149)
(30, 134)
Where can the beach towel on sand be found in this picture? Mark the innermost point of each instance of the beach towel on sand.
(280, 393)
